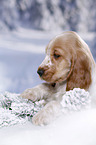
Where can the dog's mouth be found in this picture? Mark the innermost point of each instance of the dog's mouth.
(49, 75)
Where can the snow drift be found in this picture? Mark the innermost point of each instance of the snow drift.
(71, 128)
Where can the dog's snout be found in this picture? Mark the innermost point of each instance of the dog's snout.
(40, 72)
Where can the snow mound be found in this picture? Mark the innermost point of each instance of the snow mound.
(75, 100)
(16, 110)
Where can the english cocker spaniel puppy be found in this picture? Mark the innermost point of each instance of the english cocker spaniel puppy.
(68, 64)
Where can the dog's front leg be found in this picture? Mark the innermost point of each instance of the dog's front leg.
(47, 114)
(39, 92)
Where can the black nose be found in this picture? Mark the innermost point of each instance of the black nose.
(40, 72)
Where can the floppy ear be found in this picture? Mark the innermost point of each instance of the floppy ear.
(80, 76)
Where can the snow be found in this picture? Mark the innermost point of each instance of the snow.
(21, 52)
(16, 110)
(79, 128)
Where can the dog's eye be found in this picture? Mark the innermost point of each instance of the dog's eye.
(56, 56)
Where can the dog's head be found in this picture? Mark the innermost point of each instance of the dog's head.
(67, 56)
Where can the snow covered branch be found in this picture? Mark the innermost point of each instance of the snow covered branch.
(15, 110)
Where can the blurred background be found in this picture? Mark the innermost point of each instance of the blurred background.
(26, 27)
(76, 15)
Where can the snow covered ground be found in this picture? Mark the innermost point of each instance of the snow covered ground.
(74, 129)
(21, 52)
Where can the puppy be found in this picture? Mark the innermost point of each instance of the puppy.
(68, 64)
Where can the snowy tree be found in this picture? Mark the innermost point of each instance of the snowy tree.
(70, 13)
(8, 14)
(87, 13)
(48, 14)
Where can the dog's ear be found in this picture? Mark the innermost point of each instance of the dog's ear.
(80, 72)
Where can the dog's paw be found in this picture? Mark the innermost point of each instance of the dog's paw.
(41, 118)
(29, 94)
(47, 114)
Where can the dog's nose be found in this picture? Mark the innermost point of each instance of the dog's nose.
(40, 72)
